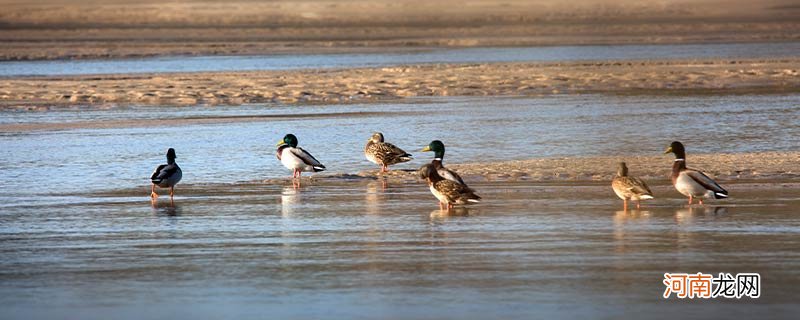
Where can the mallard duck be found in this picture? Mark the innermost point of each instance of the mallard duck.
(629, 188)
(438, 148)
(384, 154)
(448, 192)
(166, 175)
(295, 158)
(689, 182)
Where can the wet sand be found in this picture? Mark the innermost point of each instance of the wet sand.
(765, 167)
(700, 76)
(70, 29)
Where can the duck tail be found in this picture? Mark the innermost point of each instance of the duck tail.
(406, 157)
(645, 197)
(473, 198)
(720, 195)
(319, 168)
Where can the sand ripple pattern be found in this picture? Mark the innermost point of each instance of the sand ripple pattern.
(392, 83)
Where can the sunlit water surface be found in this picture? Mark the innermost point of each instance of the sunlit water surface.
(79, 238)
(357, 250)
(119, 148)
(464, 55)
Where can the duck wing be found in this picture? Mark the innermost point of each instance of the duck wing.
(639, 187)
(387, 153)
(707, 183)
(156, 172)
(451, 175)
(306, 157)
(456, 192)
(392, 154)
(163, 172)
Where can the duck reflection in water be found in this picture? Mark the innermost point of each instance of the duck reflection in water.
(630, 215)
(626, 222)
(166, 209)
(627, 216)
(384, 184)
(373, 198)
(452, 212)
(688, 214)
(290, 201)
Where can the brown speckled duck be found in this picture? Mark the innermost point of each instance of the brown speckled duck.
(629, 188)
(448, 192)
(383, 153)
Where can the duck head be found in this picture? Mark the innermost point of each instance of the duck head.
(289, 140)
(429, 173)
(437, 147)
(677, 148)
(376, 137)
(622, 170)
(171, 156)
(423, 171)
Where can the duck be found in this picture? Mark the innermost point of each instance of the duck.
(166, 175)
(447, 192)
(629, 188)
(295, 158)
(438, 148)
(383, 153)
(690, 182)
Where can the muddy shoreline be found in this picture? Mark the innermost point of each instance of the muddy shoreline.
(754, 167)
(331, 86)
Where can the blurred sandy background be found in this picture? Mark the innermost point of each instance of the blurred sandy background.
(53, 29)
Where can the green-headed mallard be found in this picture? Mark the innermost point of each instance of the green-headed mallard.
(166, 175)
(448, 192)
(689, 182)
(629, 188)
(383, 153)
(295, 158)
(438, 148)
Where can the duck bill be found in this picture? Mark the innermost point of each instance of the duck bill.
(279, 143)
(427, 148)
(669, 150)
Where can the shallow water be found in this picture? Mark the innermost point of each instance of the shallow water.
(119, 148)
(467, 55)
(352, 249)
(79, 238)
